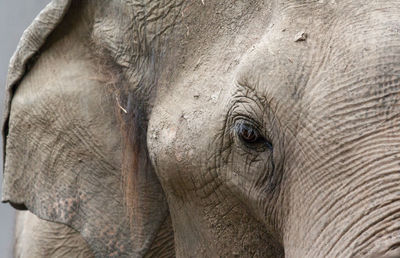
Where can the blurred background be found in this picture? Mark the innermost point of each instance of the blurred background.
(15, 17)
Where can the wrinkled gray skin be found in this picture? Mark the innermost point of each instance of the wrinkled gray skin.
(39, 238)
(322, 180)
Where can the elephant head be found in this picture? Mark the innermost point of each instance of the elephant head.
(237, 128)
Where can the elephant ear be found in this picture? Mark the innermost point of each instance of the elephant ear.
(63, 143)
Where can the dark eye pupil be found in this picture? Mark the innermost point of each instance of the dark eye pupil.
(249, 135)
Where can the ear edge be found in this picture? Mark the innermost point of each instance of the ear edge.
(29, 45)
(17, 206)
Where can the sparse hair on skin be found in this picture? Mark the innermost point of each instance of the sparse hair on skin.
(131, 112)
(132, 86)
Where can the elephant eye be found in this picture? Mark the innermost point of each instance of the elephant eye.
(248, 134)
(251, 137)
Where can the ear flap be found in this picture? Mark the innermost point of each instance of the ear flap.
(63, 144)
(30, 43)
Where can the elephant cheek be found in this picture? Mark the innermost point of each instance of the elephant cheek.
(171, 156)
(161, 144)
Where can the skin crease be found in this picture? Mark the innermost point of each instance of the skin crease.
(328, 105)
(38, 238)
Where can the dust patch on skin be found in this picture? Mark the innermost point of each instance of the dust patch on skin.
(66, 209)
(110, 232)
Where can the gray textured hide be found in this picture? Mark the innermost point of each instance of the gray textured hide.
(31, 41)
(62, 139)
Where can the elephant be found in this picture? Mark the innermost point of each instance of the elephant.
(206, 128)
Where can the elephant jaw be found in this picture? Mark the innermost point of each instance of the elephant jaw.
(221, 230)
